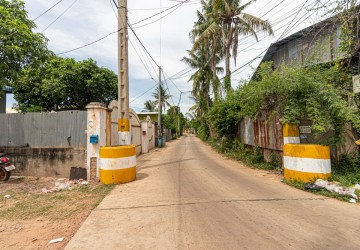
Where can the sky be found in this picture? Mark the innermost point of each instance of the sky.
(74, 23)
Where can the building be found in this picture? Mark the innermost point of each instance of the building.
(5, 90)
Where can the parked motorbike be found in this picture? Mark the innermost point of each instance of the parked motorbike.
(5, 167)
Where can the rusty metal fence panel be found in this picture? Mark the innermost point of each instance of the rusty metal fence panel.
(64, 129)
(261, 132)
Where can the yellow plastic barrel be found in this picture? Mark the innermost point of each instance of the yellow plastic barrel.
(117, 164)
(306, 162)
(291, 133)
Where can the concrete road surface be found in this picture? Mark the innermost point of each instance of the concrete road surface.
(189, 197)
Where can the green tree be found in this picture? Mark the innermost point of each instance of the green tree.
(206, 53)
(19, 46)
(164, 97)
(64, 84)
(150, 106)
(228, 21)
(293, 94)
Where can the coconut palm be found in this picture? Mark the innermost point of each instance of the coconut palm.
(150, 106)
(228, 20)
(208, 55)
(164, 97)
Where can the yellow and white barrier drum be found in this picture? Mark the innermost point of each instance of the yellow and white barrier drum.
(117, 164)
(306, 162)
(291, 133)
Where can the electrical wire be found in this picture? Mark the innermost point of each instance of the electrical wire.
(287, 30)
(102, 38)
(142, 44)
(47, 10)
(143, 93)
(59, 16)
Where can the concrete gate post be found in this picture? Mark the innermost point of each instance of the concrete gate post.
(96, 137)
(144, 137)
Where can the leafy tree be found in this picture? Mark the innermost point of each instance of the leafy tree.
(206, 53)
(174, 120)
(19, 46)
(164, 97)
(150, 106)
(63, 84)
(293, 94)
(228, 21)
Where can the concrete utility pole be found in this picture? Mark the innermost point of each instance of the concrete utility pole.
(123, 76)
(159, 118)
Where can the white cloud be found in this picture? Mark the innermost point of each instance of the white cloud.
(89, 20)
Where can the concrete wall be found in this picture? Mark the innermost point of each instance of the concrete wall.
(45, 162)
(135, 129)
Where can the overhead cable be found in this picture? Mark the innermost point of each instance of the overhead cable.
(102, 38)
(47, 10)
(59, 16)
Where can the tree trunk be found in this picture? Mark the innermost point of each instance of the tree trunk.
(227, 81)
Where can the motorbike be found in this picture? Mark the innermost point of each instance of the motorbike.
(5, 167)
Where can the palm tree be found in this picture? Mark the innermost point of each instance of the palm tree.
(208, 54)
(228, 20)
(164, 97)
(150, 106)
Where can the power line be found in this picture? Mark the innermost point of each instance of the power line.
(91, 43)
(146, 9)
(143, 93)
(168, 78)
(161, 17)
(112, 7)
(284, 33)
(59, 16)
(167, 87)
(142, 44)
(102, 38)
(115, 4)
(159, 13)
(47, 10)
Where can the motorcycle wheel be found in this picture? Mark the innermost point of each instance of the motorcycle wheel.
(4, 175)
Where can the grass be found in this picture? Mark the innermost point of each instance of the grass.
(54, 206)
(236, 150)
(346, 172)
(323, 192)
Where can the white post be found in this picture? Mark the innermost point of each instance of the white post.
(95, 138)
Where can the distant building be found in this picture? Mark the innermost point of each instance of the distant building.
(153, 115)
(5, 90)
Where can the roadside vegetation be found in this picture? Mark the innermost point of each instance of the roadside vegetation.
(252, 157)
(321, 93)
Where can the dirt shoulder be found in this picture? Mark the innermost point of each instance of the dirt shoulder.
(32, 213)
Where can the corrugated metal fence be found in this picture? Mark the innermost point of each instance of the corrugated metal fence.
(261, 132)
(41, 130)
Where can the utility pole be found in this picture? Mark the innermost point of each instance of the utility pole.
(178, 115)
(123, 76)
(118, 163)
(160, 106)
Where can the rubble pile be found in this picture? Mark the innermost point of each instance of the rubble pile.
(320, 184)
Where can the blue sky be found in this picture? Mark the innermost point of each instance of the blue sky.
(166, 40)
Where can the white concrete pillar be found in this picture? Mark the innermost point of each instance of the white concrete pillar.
(95, 138)
(144, 137)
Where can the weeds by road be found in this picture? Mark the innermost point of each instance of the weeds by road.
(346, 172)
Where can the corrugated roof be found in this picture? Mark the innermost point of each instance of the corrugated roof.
(274, 46)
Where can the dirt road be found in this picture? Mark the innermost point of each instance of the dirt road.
(189, 197)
